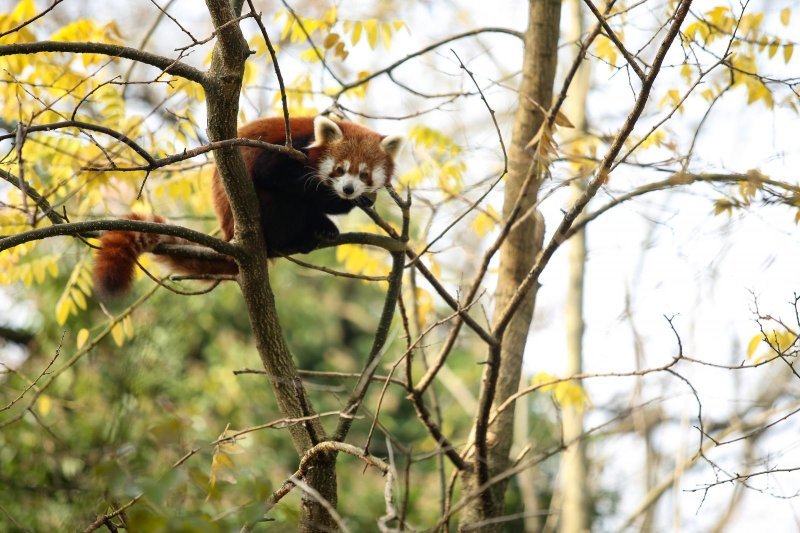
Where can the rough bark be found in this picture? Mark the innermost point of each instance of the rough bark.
(222, 94)
(574, 487)
(519, 250)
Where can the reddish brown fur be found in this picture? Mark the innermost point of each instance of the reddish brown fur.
(116, 260)
(360, 144)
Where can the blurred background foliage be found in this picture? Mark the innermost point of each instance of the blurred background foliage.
(112, 425)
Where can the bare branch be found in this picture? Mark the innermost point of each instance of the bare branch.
(613, 36)
(43, 373)
(87, 126)
(30, 20)
(167, 65)
(388, 69)
(79, 228)
(214, 145)
(31, 193)
(274, 56)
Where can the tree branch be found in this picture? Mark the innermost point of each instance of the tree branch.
(79, 228)
(389, 68)
(169, 66)
(613, 36)
(34, 195)
(86, 126)
(214, 145)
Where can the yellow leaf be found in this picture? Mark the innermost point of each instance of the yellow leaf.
(606, 50)
(286, 27)
(686, 72)
(44, 405)
(565, 393)
(371, 27)
(773, 49)
(25, 9)
(485, 222)
(786, 14)
(654, 139)
(340, 51)
(784, 340)
(330, 16)
(330, 40)
(386, 32)
(788, 49)
(748, 23)
(758, 91)
(221, 460)
(717, 15)
(127, 326)
(83, 336)
(78, 297)
(723, 206)
(309, 56)
(541, 378)
(569, 394)
(221, 468)
(424, 306)
(673, 96)
(356, 35)
(62, 310)
(118, 334)
(752, 346)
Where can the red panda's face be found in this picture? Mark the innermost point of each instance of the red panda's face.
(354, 164)
(350, 177)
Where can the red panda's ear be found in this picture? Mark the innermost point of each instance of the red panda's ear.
(325, 131)
(392, 144)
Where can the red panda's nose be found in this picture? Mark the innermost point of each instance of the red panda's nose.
(348, 189)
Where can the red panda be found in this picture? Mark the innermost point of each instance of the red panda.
(346, 164)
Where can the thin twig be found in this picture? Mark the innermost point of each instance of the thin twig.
(40, 376)
(274, 56)
(613, 37)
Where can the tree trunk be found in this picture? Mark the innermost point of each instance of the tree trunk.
(574, 488)
(223, 88)
(519, 249)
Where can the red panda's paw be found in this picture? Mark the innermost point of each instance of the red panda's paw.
(326, 230)
(366, 200)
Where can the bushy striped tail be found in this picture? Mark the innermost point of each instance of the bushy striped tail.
(115, 261)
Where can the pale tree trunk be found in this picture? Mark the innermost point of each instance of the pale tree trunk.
(518, 251)
(574, 487)
(526, 480)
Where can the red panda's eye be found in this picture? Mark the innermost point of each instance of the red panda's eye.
(364, 176)
(338, 171)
